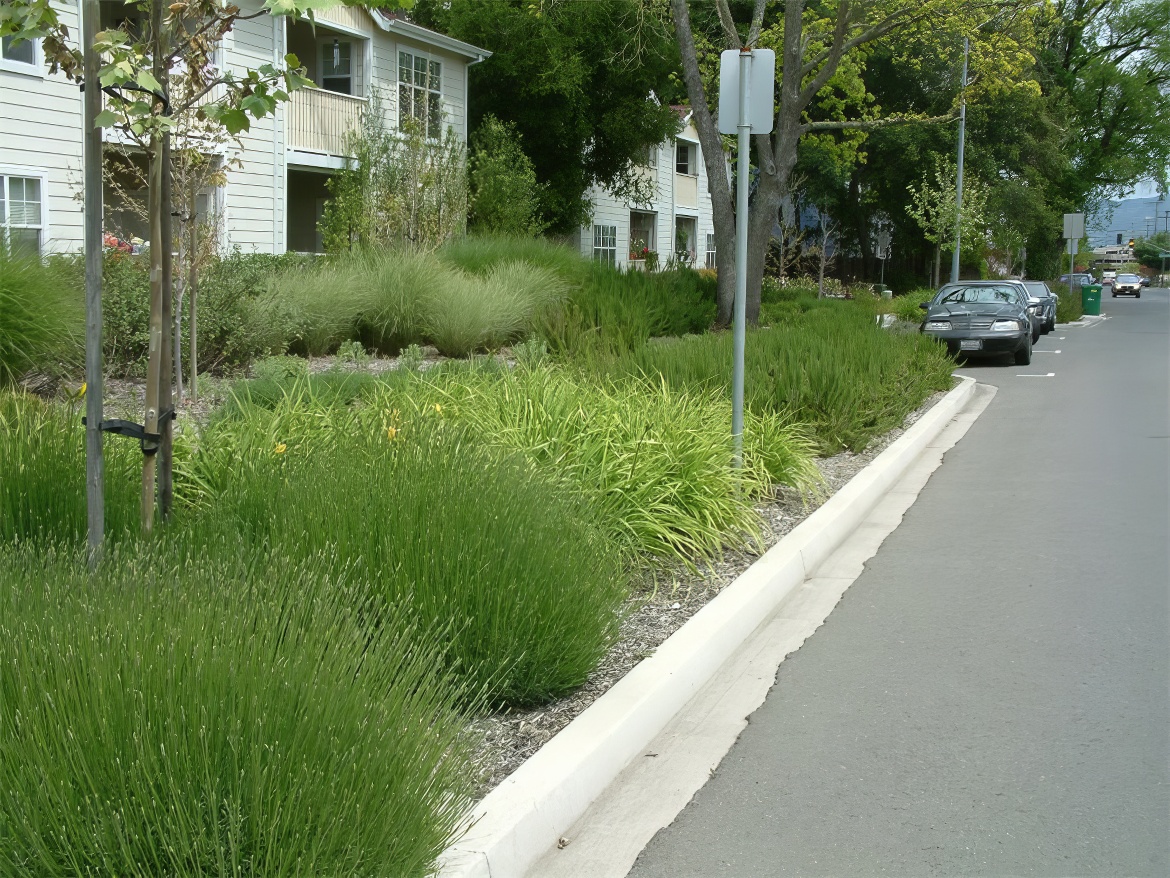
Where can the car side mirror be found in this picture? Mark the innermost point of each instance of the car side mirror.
(925, 306)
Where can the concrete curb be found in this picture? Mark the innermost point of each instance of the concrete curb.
(526, 814)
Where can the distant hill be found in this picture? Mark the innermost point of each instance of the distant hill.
(1130, 218)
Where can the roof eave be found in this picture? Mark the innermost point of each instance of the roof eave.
(426, 35)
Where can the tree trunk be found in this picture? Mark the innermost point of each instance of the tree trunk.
(715, 162)
(934, 274)
(166, 485)
(154, 364)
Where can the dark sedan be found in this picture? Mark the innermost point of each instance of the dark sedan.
(1037, 289)
(981, 318)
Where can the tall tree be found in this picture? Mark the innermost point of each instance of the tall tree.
(814, 43)
(1107, 65)
(578, 81)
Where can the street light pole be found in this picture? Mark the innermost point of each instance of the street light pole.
(959, 175)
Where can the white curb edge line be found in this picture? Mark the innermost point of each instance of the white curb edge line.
(525, 815)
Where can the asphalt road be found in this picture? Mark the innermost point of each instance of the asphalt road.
(992, 695)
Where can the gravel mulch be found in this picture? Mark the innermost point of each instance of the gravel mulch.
(658, 608)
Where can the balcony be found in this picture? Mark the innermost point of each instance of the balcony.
(686, 190)
(318, 120)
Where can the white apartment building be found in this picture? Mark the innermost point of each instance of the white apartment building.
(677, 223)
(275, 193)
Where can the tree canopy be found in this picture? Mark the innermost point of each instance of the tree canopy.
(586, 86)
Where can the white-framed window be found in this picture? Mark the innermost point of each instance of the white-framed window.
(710, 261)
(605, 244)
(336, 65)
(420, 92)
(22, 212)
(685, 159)
(22, 57)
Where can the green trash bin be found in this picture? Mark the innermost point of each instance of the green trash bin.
(1091, 299)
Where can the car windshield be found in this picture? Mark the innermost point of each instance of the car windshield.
(1128, 278)
(1004, 295)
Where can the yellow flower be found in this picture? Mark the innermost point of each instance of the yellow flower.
(438, 408)
(391, 432)
(281, 448)
(81, 390)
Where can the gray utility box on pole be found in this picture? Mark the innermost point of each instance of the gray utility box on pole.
(1074, 230)
(747, 81)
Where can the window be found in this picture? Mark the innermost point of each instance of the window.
(710, 263)
(20, 57)
(685, 162)
(652, 157)
(605, 244)
(642, 238)
(22, 213)
(337, 66)
(420, 93)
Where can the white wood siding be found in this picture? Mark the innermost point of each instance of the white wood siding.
(668, 205)
(40, 133)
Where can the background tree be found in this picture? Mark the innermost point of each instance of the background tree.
(576, 80)
(813, 41)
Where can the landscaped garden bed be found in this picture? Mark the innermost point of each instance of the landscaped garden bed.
(491, 539)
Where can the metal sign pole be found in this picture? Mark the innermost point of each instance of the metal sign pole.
(741, 251)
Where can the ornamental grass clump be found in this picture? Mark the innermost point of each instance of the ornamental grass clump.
(479, 253)
(654, 461)
(42, 474)
(476, 313)
(219, 713)
(478, 548)
(41, 317)
(833, 369)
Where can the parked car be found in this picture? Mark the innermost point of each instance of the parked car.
(1079, 280)
(982, 318)
(1037, 289)
(1145, 281)
(1127, 285)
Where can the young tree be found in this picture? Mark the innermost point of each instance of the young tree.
(812, 43)
(505, 195)
(153, 73)
(934, 206)
(398, 187)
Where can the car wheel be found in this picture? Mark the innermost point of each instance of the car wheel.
(1137, 295)
(1035, 336)
(1024, 355)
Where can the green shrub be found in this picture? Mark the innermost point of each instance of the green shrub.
(504, 192)
(1069, 306)
(42, 475)
(613, 311)
(906, 306)
(233, 327)
(279, 368)
(833, 370)
(42, 317)
(218, 713)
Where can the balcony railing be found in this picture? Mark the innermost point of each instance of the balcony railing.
(318, 120)
(686, 190)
